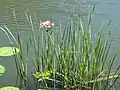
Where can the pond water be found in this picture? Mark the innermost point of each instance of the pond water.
(59, 11)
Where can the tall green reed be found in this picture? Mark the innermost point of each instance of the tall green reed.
(79, 61)
(21, 59)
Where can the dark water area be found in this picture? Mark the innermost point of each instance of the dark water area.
(59, 11)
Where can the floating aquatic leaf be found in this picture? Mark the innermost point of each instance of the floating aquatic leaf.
(8, 51)
(9, 88)
(2, 70)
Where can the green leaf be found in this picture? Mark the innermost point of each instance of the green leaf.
(43, 75)
(9, 88)
(46, 73)
(8, 51)
(2, 70)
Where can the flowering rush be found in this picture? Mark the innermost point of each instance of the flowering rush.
(46, 24)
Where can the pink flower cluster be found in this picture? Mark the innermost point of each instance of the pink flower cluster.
(46, 24)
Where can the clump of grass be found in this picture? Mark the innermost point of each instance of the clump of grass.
(76, 61)
(71, 61)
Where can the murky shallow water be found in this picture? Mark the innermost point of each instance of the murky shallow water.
(58, 11)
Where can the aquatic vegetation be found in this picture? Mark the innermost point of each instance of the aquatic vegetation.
(70, 60)
(9, 88)
(2, 70)
(76, 61)
(46, 24)
(8, 51)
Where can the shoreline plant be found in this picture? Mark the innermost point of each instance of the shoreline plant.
(70, 60)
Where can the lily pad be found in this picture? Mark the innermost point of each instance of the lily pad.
(9, 88)
(8, 51)
(2, 70)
